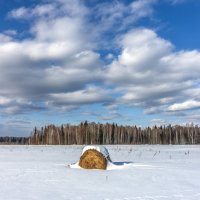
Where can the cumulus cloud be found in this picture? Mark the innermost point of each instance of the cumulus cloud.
(17, 105)
(190, 104)
(72, 100)
(151, 74)
(59, 63)
(112, 18)
(58, 60)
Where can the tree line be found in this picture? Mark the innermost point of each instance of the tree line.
(13, 140)
(97, 133)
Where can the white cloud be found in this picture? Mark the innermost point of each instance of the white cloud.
(158, 122)
(150, 74)
(4, 100)
(71, 100)
(110, 116)
(137, 48)
(190, 104)
(4, 38)
(142, 8)
(19, 13)
(10, 32)
(87, 96)
(17, 105)
(114, 17)
(110, 56)
(37, 11)
(60, 59)
(51, 10)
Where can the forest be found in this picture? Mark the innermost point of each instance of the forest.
(13, 140)
(97, 133)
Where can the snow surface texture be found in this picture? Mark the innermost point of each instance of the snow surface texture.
(153, 173)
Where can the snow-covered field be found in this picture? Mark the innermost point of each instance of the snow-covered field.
(155, 173)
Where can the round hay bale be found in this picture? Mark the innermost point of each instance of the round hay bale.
(93, 159)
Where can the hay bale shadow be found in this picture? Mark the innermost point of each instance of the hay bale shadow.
(122, 163)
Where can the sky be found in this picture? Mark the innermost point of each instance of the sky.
(131, 62)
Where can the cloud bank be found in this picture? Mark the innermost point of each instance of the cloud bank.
(75, 55)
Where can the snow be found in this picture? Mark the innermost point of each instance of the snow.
(99, 148)
(140, 172)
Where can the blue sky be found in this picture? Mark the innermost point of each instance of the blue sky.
(129, 62)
